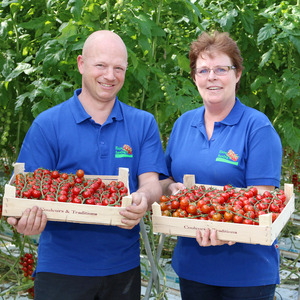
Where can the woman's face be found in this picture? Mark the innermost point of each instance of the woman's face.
(215, 89)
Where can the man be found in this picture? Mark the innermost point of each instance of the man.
(83, 261)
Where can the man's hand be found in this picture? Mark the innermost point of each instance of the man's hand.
(135, 212)
(33, 221)
(149, 191)
(209, 238)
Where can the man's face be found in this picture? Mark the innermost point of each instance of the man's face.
(103, 67)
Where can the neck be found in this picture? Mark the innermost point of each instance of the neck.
(99, 111)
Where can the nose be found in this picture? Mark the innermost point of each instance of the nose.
(211, 74)
(109, 74)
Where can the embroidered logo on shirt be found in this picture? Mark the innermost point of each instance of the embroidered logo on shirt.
(228, 157)
(125, 151)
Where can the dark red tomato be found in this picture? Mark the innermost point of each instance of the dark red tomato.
(238, 219)
(274, 208)
(248, 194)
(87, 194)
(62, 198)
(225, 196)
(78, 180)
(163, 206)
(254, 190)
(27, 194)
(274, 216)
(105, 202)
(80, 173)
(228, 216)
(248, 221)
(192, 209)
(76, 190)
(175, 214)
(182, 213)
(54, 174)
(250, 214)
(200, 203)
(249, 207)
(267, 194)
(227, 187)
(263, 205)
(175, 204)
(205, 209)
(220, 199)
(217, 217)
(164, 198)
(36, 194)
(90, 201)
(184, 202)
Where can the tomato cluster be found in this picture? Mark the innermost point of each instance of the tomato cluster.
(225, 205)
(48, 185)
(28, 264)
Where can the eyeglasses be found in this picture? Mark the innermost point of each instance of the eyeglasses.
(219, 71)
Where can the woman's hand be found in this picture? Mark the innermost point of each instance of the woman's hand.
(209, 238)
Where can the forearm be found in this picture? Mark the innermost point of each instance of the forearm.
(151, 190)
(165, 185)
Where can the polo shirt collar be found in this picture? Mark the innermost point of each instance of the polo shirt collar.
(81, 115)
(232, 119)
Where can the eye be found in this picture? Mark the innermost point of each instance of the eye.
(221, 70)
(202, 71)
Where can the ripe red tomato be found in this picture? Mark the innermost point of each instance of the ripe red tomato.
(36, 194)
(175, 204)
(192, 209)
(238, 219)
(54, 174)
(80, 173)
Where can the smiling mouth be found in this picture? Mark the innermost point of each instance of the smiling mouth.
(214, 88)
(106, 85)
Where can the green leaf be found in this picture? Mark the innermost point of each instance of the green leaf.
(76, 8)
(21, 67)
(265, 33)
(296, 42)
(67, 30)
(292, 135)
(265, 58)
(183, 62)
(258, 82)
(34, 23)
(247, 19)
(275, 94)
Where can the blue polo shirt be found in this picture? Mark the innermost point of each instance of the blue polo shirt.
(65, 138)
(244, 150)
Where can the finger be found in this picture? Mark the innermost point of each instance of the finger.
(199, 237)
(206, 238)
(39, 221)
(214, 239)
(31, 219)
(12, 221)
(129, 224)
(22, 223)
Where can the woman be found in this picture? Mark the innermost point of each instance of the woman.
(200, 140)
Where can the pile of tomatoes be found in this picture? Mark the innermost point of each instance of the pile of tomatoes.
(223, 205)
(48, 185)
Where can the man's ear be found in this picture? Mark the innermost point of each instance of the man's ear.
(80, 63)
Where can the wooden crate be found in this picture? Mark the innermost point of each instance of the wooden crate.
(68, 212)
(264, 234)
